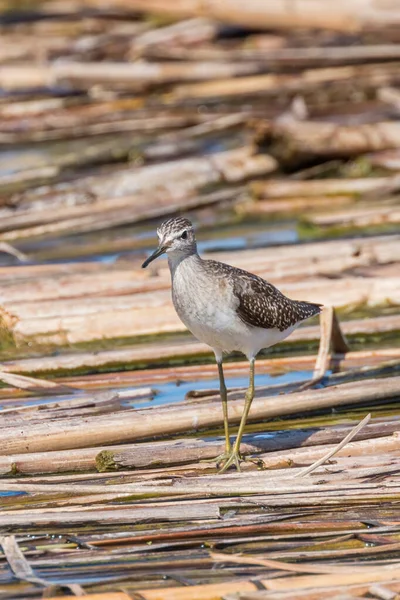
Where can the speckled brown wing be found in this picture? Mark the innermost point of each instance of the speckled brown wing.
(260, 303)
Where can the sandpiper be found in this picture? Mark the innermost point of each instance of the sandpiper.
(228, 309)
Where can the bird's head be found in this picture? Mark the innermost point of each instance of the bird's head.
(175, 235)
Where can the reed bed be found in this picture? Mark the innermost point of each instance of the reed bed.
(275, 128)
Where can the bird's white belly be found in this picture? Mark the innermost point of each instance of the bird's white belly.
(238, 336)
(219, 326)
(215, 327)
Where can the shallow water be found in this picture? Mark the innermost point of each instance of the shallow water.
(136, 240)
(252, 239)
(173, 391)
(235, 242)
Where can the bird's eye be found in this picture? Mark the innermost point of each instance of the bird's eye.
(184, 235)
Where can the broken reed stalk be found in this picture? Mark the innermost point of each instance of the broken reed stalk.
(34, 385)
(331, 339)
(299, 205)
(278, 189)
(292, 584)
(309, 83)
(278, 57)
(135, 76)
(304, 455)
(361, 216)
(352, 15)
(103, 515)
(8, 249)
(335, 450)
(23, 571)
(88, 128)
(100, 596)
(278, 488)
(185, 32)
(294, 568)
(329, 139)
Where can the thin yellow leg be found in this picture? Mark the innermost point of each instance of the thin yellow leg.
(234, 457)
(249, 400)
(222, 458)
(224, 399)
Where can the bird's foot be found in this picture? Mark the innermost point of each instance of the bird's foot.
(220, 459)
(234, 458)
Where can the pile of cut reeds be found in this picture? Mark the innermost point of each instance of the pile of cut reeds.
(85, 472)
(275, 128)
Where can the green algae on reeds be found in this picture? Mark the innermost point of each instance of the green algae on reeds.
(308, 231)
(105, 461)
(8, 343)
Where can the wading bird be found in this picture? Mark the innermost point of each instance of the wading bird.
(228, 309)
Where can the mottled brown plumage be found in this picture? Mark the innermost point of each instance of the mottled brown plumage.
(260, 303)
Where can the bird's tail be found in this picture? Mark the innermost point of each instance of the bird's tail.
(308, 309)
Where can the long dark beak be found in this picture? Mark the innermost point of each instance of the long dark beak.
(160, 250)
